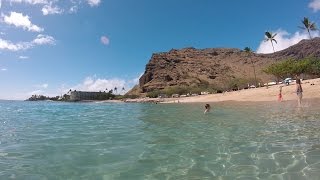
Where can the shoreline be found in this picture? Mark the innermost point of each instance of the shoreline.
(311, 90)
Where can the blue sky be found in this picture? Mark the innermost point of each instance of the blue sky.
(50, 46)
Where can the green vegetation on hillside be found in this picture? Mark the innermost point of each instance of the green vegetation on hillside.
(230, 84)
(294, 68)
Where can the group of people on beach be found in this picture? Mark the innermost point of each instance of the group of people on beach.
(298, 92)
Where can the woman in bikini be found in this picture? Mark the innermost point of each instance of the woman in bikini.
(299, 91)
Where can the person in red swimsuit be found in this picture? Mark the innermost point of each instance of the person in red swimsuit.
(280, 98)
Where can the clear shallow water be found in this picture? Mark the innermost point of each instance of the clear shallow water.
(46, 140)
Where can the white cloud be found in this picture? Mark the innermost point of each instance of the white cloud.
(94, 2)
(135, 81)
(284, 40)
(50, 6)
(93, 84)
(44, 39)
(19, 20)
(50, 9)
(39, 40)
(104, 40)
(97, 84)
(36, 92)
(8, 45)
(73, 9)
(4, 69)
(42, 86)
(315, 5)
(29, 1)
(23, 57)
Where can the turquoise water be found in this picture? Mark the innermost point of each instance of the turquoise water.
(47, 140)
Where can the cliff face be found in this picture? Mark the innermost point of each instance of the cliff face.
(216, 66)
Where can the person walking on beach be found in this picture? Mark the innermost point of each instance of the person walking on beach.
(280, 94)
(207, 108)
(299, 91)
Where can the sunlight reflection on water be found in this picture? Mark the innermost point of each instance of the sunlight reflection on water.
(45, 140)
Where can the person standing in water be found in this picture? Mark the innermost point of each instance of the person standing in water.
(207, 108)
(280, 98)
(299, 91)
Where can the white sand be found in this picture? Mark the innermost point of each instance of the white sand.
(258, 94)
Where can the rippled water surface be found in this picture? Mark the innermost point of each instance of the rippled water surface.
(47, 140)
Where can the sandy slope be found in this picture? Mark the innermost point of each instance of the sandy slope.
(259, 94)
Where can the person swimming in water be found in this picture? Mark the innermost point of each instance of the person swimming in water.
(207, 108)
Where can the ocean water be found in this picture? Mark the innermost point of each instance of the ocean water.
(105, 141)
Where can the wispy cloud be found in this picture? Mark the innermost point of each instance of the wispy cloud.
(39, 40)
(94, 2)
(104, 40)
(21, 21)
(284, 40)
(44, 39)
(29, 1)
(23, 57)
(51, 9)
(93, 84)
(8, 45)
(43, 86)
(135, 81)
(73, 9)
(35, 92)
(315, 5)
(40, 90)
(4, 69)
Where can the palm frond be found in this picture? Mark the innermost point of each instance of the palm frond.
(313, 27)
(274, 41)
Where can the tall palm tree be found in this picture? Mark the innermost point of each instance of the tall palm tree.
(115, 89)
(271, 37)
(308, 25)
(249, 53)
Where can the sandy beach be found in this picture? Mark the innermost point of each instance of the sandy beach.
(311, 90)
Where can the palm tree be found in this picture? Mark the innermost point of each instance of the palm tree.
(271, 37)
(115, 89)
(308, 25)
(123, 89)
(249, 53)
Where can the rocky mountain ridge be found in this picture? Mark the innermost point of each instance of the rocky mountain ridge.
(214, 66)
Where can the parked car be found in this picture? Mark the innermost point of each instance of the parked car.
(287, 81)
